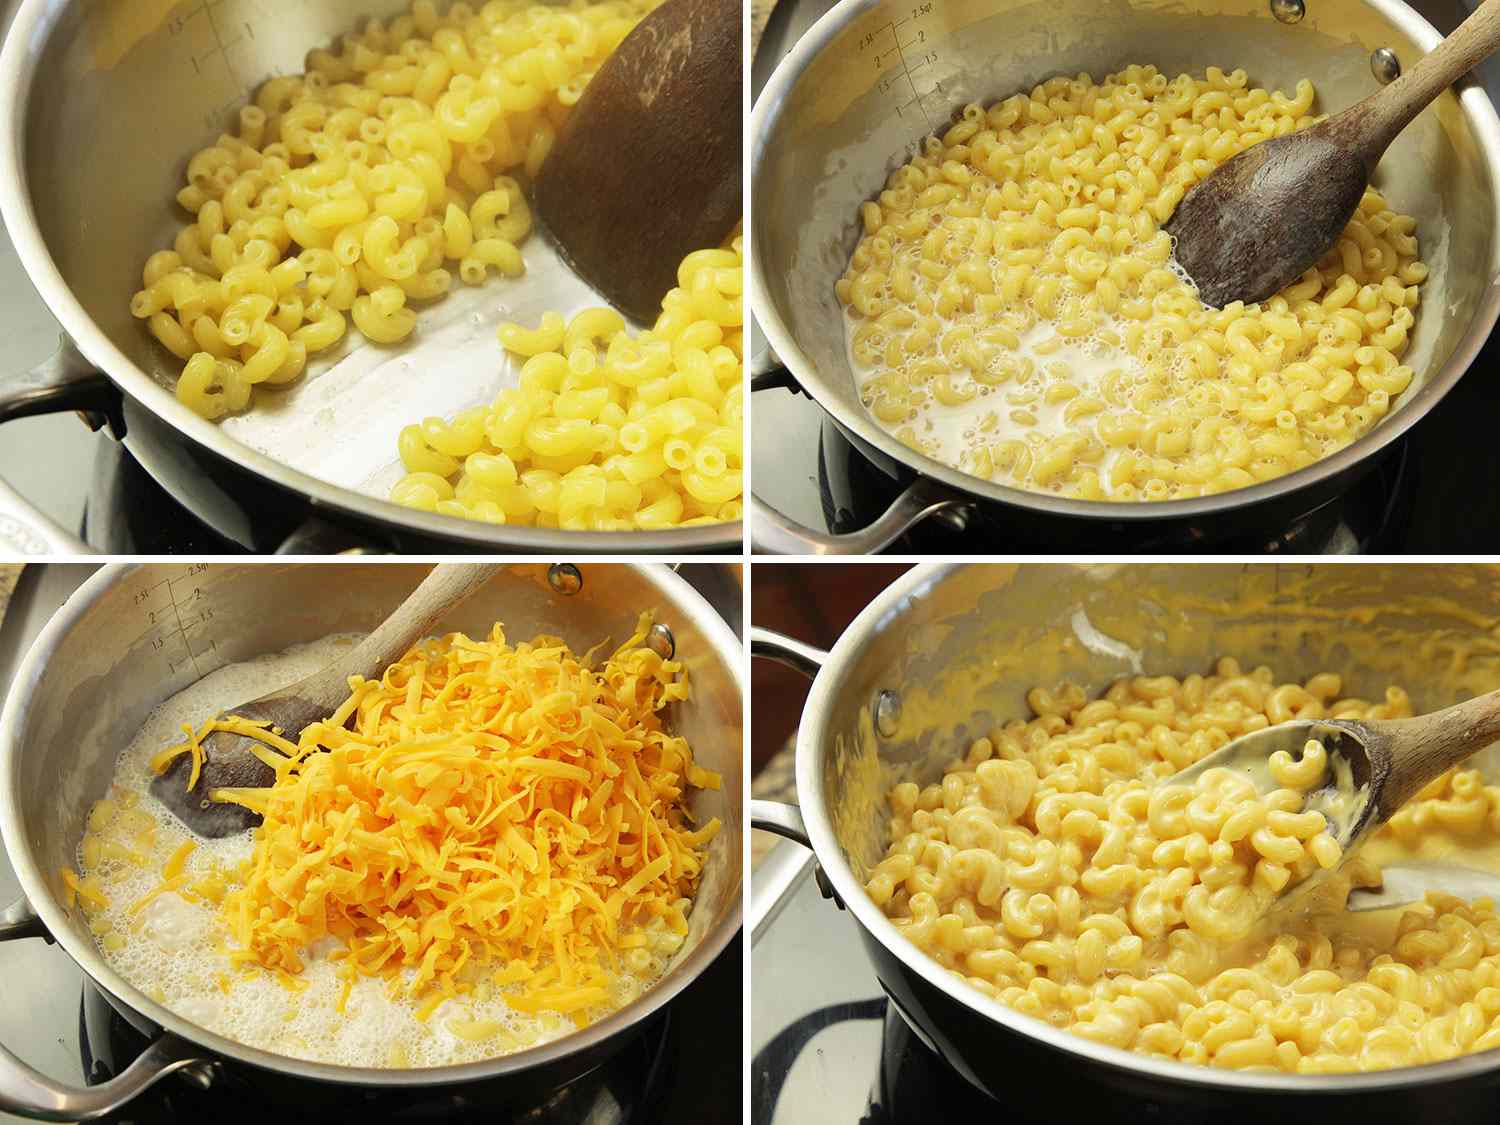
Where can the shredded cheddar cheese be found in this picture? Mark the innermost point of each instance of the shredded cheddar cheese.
(488, 811)
(259, 731)
(177, 860)
(85, 891)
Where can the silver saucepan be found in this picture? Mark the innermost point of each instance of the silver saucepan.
(947, 651)
(101, 105)
(134, 635)
(846, 106)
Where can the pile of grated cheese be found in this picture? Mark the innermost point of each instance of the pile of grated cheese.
(498, 812)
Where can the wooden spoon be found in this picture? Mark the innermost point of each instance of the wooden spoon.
(647, 167)
(228, 762)
(1389, 761)
(1264, 217)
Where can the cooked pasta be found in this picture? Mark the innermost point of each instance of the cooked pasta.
(606, 431)
(1051, 871)
(344, 190)
(1014, 309)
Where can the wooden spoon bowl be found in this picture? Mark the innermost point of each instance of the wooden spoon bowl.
(647, 167)
(1390, 761)
(1265, 217)
(228, 760)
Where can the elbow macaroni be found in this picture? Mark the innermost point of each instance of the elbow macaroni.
(1014, 309)
(606, 431)
(345, 189)
(1051, 871)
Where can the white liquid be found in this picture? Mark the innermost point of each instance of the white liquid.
(1017, 410)
(948, 433)
(173, 948)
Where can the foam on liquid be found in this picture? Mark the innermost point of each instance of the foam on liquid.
(171, 948)
(949, 433)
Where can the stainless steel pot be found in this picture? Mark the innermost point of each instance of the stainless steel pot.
(947, 650)
(134, 635)
(846, 106)
(100, 108)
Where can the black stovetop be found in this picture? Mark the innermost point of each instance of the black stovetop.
(911, 1083)
(686, 1067)
(1430, 496)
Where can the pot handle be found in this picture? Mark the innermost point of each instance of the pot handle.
(62, 381)
(26, 1091)
(780, 818)
(26, 531)
(924, 498)
(768, 373)
(318, 536)
(776, 816)
(794, 654)
(775, 534)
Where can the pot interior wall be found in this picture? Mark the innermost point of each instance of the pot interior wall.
(967, 643)
(124, 94)
(131, 650)
(838, 135)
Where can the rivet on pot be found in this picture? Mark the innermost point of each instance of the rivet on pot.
(1384, 65)
(826, 887)
(200, 1075)
(887, 713)
(1288, 11)
(565, 578)
(660, 641)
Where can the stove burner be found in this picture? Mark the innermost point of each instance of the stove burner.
(128, 513)
(1367, 519)
(632, 1088)
(913, 1083)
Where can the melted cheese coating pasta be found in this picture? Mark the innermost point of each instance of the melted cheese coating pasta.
(346, 189)
(607, 431)
(1014, 309)
(1051, 872)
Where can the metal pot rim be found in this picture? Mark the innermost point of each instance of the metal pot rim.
(851, 893)
(28, 35)
(1479, 115)
(34, 882)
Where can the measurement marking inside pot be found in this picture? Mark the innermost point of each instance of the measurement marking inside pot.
(908, 65)
(178, 604)
(223, 47)
(241, 31)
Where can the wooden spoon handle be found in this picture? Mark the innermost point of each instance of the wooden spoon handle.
(448, 585)
(1390, 110)
(1422, 748)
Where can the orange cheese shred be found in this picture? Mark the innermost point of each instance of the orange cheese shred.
(177, 860)
(258, 731)
(85, 892)
(489, 810)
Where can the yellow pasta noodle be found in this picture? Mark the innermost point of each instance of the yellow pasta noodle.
(607, 431)
(1050, 870)
(346, 188)
(1018, 263)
